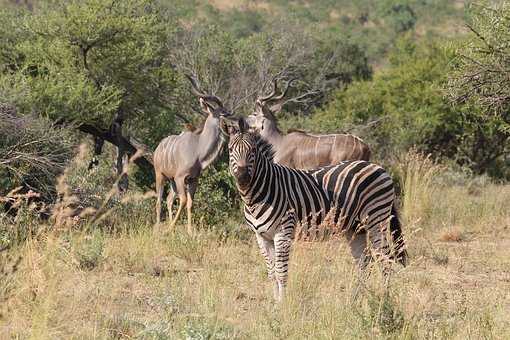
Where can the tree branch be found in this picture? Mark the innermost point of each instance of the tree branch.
(131, 145)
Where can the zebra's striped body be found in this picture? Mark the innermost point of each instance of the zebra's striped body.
(356, 197)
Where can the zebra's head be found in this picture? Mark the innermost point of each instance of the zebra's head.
(242, 148)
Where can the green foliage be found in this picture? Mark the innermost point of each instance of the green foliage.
(10, 34)
(482, 60)
(83, 61)
(243, 23)
(405, 100)
(399, 13)
(18, 223)
(216, 200)
(207, 330)
(384, 312)
(480, 75)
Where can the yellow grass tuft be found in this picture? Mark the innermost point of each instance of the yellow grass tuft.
(418, 173)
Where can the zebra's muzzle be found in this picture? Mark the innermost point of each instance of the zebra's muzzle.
(242, 175)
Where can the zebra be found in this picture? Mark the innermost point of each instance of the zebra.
(357, 197)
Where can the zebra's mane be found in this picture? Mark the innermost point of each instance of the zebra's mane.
(264, 148)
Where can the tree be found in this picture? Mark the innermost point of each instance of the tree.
(101, 65)
(399, 14)
(482, 64)
(480, 75)
(237, 69)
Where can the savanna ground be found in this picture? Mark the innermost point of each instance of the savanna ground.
(127, 281)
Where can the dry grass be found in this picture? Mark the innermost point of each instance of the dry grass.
(132, 283)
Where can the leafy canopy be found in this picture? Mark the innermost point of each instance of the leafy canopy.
(84, 61)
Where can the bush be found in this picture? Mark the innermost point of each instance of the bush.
(33, 151)
(205, 330)
(216, 200)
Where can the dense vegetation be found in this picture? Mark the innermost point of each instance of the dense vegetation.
(116, 68)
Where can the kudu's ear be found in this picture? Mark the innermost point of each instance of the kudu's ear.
(205, 106)
(277, 107)
(227, 126)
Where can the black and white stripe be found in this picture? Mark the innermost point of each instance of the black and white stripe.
(356, 197)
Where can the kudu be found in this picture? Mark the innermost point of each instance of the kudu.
(299, 149)
(181, 158)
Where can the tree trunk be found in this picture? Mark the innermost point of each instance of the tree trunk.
(129, 147)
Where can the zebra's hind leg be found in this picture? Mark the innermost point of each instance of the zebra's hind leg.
(268, 252)
(358, 243)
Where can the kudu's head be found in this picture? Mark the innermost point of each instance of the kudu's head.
(210, 105)
(266, 107)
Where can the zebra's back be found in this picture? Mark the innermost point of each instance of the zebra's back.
(357, 191)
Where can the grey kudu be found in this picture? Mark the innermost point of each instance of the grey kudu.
(298, 149)
(181, 158)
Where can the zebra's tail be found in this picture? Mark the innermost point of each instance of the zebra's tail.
(399, 251)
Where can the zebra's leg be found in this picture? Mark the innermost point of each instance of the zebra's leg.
(283, 242)
(381, 245)
(268, 252)
(170, 200)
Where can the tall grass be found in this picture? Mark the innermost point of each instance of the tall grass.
(419, 182)
(115, 278)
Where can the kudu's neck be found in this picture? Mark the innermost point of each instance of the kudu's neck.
(270, 132)
(210, 142)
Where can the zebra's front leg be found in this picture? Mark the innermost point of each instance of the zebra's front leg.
(267, 249)
(283, 242)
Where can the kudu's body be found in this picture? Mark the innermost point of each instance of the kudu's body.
(180, 159)
(299, 149)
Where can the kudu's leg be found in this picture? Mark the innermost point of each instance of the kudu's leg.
(181, 191)
(191, 187)
(170, 200)
(160, 181)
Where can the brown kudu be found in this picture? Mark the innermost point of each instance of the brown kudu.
(299, 149)
(181, 158)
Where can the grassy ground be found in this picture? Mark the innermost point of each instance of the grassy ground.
(132, 283)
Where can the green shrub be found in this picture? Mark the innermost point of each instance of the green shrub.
(404, 106)
(88, 250)
(206, 330)
(217, 200)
